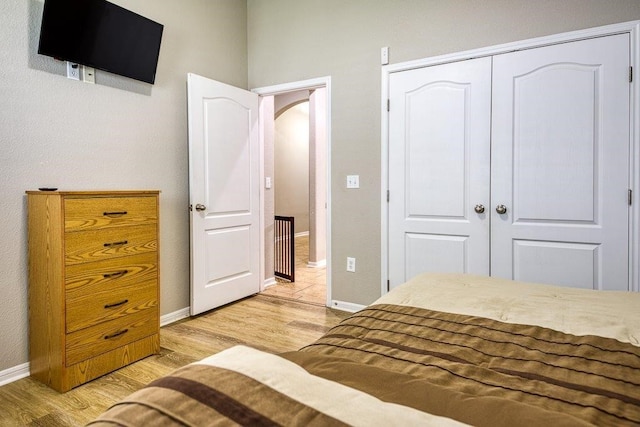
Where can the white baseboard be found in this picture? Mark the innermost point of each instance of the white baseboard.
(346, 306)
(169, 318)
(14, 374)
(269, 282)
(317, 264)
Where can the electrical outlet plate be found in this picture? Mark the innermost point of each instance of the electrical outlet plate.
(73, 71)
(353, 181)
(88, 74)
(351, 264)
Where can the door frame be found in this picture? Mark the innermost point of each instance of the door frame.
(279, 89)
(632, 28)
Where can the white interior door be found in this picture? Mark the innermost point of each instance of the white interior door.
(224, 193)
(560, 164)
(439, 136)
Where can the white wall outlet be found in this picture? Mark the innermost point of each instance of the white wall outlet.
(73, 71)
(351, 264)
(353, 181)
(267, 182)
(384, 55)
(88, 74)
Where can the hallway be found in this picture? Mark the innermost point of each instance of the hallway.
(310, 284)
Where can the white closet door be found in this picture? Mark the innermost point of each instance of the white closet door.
(560, 164)
(439, 132)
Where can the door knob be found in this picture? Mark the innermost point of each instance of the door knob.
(479, 209)
(200, 207)
(501, 209)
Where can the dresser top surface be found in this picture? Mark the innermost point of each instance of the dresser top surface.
(96, 193)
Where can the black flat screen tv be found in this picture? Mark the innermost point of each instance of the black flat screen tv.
(102, 35)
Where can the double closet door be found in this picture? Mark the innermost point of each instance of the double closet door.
(515, 165)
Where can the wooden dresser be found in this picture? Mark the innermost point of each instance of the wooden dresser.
(93, 283)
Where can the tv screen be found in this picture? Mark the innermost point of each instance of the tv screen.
(102, 35)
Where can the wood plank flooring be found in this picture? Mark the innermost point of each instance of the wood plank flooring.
(261, 321)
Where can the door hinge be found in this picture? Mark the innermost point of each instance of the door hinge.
(387, 196)
(630, 197)
(388, 105)
(388, 285)
(630, 74)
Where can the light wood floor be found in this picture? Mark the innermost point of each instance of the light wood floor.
(262, 321)
(311, 282)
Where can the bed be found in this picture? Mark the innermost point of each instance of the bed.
(441, 349)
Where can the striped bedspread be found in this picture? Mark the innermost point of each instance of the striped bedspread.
(244, 386)
(483, 366)
(443, 350)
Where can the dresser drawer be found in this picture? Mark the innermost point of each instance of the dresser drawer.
(87, 343)
(105, 212)
(105, 290)
(96, 245)
(93, 309)
(109, 274)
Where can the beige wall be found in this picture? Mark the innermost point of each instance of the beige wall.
(291, 165)
(293, 40)
(117, 134)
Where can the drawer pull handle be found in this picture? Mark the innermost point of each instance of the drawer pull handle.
(115, 275)
(114, 213)
(116, 304)
(117, 334)
(123, 242)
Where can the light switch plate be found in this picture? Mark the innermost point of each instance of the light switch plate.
(384, 56)
(353, 181)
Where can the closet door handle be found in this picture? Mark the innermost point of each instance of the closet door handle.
(200, 207)
(479, 209)
(501, 209)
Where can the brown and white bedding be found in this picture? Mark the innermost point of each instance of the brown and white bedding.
(439, 350)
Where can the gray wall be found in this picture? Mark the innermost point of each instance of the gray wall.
(293, 40)
(117, 134)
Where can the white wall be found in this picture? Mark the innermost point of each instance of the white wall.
(116, 134)
(291, 160)
(294, 40)
(318, 177)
